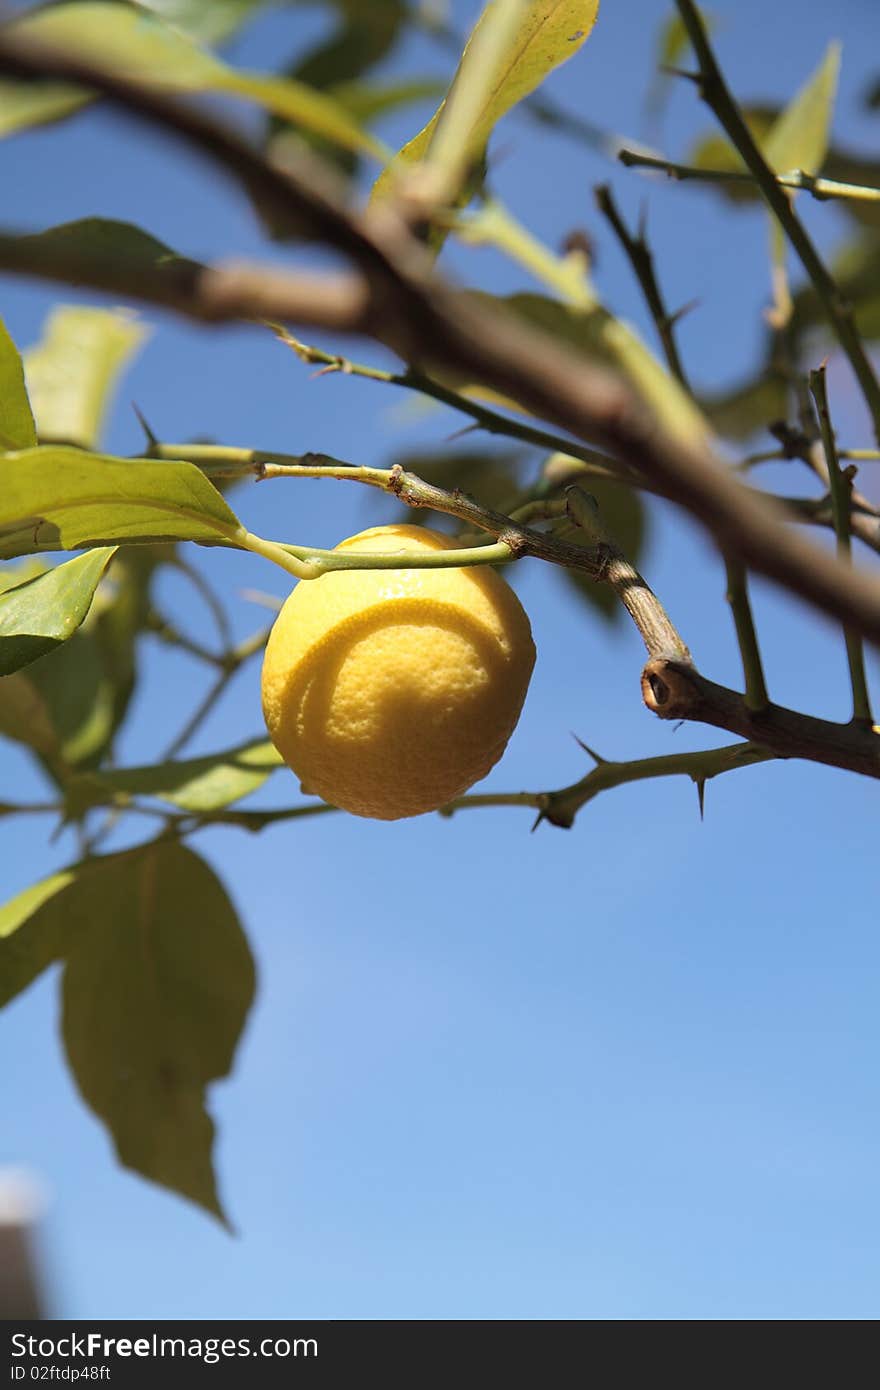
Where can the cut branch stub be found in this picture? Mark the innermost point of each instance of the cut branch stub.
(675, 690)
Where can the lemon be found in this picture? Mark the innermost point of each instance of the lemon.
(390, 692)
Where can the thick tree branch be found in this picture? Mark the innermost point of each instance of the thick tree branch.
(401, 301)
(674, 690)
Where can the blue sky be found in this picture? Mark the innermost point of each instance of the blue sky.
(627, 1071)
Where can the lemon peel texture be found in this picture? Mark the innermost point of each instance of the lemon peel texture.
(390, 692)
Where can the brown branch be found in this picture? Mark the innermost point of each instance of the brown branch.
(674, 690)
(402, 302)
(660, 636)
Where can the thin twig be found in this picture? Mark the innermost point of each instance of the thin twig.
(639, 255)
(492, 421)
(839, 489)
(796, 180)
(753, 670)
(716, 94)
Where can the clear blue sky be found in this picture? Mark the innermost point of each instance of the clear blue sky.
(628, 1071)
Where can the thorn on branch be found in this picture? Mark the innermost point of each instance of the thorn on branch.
(152, 441)
(591, 752)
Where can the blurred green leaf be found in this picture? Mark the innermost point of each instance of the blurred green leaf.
(365, 34)
(24, 716)
(749, 407)
(33, 933)
(69, 704)
(39, 614)
(118, 620)
(599, 334)
(714, 151)
(195, 784)
(17, 429)
(55, 497)
(157, 984)
(27, 104)
(77, 696)
(71, 373)
(209, 21)
(762, 398)
(799, 138)
(97, 238)
(672, 48)
(141, 46)
(366, 100)
(551, 32)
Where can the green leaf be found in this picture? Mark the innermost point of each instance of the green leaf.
(366, 33)
(209, 21)
(714, 151)
(799, 138)
(25, 717)
(672, 47)
(27, 104)
(118, 620)
(72, 685)
(17, 429)
(69, 705)
(32, 933)
(54, 497)
(71, 373)
(750, 406)
(157, 984)
(140, 46)
(102, 238)
(597, 333)
(550, 32)
(194, 784)
(36, 616)
(622, 512)
(366, 101)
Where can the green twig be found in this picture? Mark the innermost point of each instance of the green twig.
(492, 421)
(796, 180)
(513, 539)
(557, 807)
(561, 807)
(717, 96)
(756, 695)
(839, 489)
(780, 455)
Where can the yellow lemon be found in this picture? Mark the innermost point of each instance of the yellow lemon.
(390, 692)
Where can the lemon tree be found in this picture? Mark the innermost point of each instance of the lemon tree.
(398, 666)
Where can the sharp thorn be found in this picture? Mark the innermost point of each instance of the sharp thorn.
(465, 429)
(679, 314)
(152, 441)
(701, 795)
(591, 752)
